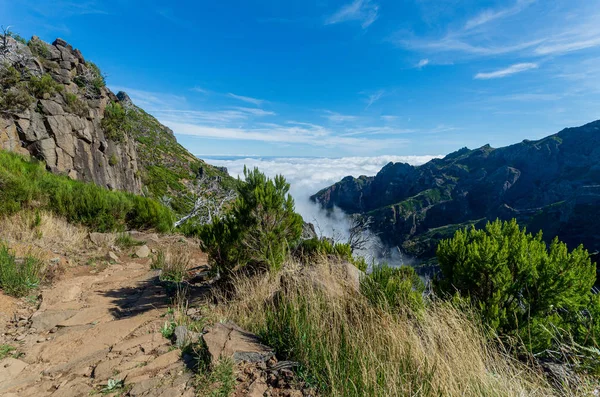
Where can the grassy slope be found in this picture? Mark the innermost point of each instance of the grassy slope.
(169, 170)
(25, 184)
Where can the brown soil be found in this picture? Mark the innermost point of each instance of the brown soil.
(96, 322)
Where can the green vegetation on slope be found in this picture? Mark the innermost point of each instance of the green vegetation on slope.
(524, 289)
(19, 276)
(25, 183)
(259, 230)
(170, 173)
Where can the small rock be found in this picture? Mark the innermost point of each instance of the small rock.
(54, 260)
(112, 257)
(53, 330)
(20, 337)
(41, 340)
(184, 337)
(142, 252)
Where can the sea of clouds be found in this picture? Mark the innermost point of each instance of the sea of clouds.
(309, 175)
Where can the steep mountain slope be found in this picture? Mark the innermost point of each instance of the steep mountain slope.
(552, 184)
(55, 106)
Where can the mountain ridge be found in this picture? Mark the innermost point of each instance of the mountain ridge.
(549, 184)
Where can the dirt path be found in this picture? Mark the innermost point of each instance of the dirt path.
(93, 329)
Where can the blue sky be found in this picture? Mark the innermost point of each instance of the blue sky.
(339, 78)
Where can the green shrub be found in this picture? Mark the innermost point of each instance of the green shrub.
(38, 48)
(15, 99)
(19, 276)
(26, 184)
(92, 80)
(115, 123)
(9, 76)
(522, 287)
(307, 249)
(124, 240)
(14, 96)
(98, 80)
(395, 288)
(114, 160)
(260, 228)
(44, 86)
(17, 37)
(76, 105)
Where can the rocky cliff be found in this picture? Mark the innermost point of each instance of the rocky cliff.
(54, 105)
(552, 184)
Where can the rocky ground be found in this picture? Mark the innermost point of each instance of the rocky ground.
(98, 328)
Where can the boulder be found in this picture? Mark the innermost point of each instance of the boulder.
(142, 252)
(229, 340)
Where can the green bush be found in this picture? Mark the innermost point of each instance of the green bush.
(307, 249)
(19, 276)
(395, 288)
(38, 48)
(17, 37)
(114, 160)
(522, 287)
(26, 184)
(260, 228)
(115, 123)
(9, 76)
(15, 99)
(91, 80)
(98, 80)
(14, 96)
(44, 86)
(76, 105)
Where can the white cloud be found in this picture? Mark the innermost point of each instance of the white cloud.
(363, 11)
(338, 118)
(389, 119)
(374, 97)
(492, 15)
(527, 28)
(564, 46)
(199, 90)
(422, 63)
(254, 101)
(513, 69)
(308, 175)
(149, 100)
(299, 133)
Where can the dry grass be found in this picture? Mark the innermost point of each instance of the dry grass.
(43, 230)
(351, 348)
(174, 262)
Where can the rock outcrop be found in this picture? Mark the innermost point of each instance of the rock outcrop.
(552, 185)
(59, 120)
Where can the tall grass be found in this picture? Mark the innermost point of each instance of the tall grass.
(349, 347)
(19, 276)
(174, 263)
(26, 184)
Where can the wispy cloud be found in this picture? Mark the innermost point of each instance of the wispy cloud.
(364, 11)
(488, 16)
(564, 46)
(199, 90)
(254, 101)
(522, 29)
(338, 118)
(374, 97)
(422, 63)
(513, 69)
(213, 117)
(289, 134)
(389, 119)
